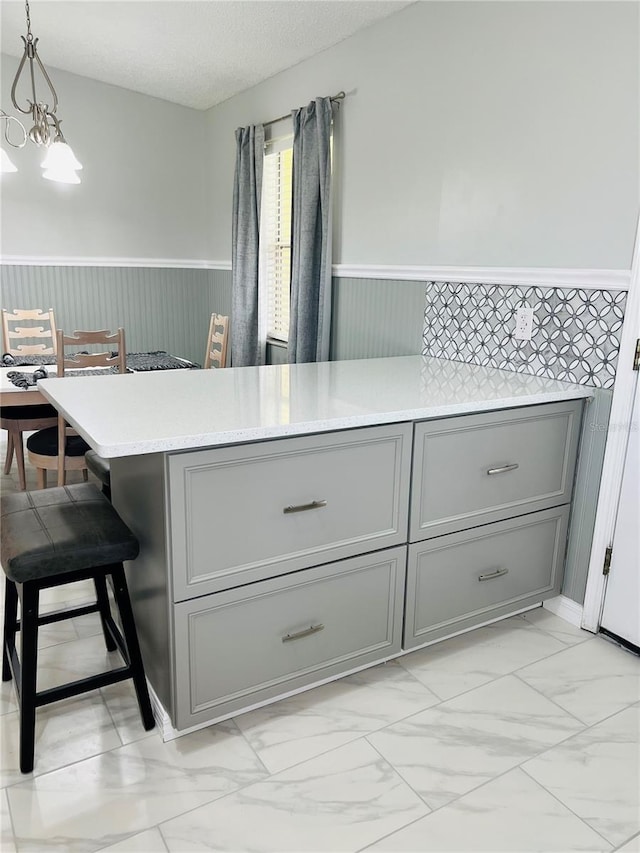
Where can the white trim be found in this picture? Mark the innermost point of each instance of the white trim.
(151, 263)
(565, 608)
(584, 278)
(587, 279)
(615, 451)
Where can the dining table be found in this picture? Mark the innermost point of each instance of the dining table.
(139, 362)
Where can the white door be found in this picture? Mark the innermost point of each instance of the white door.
(621, 613)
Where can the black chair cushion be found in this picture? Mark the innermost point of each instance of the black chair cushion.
(54, 531)
(98, 466)
(45, 442)
(23, 413)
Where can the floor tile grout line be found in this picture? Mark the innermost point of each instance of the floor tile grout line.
(564, 805)
(249, 744)
(582, 722)
(501, 675)
(11, 820)
(589, 635)
(465, 794)
(35, 776)
(630, 838)
(519, 765)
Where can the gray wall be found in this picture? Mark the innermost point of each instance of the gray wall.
(141, 195)
(473, 133)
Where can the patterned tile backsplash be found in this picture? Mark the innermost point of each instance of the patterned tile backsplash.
(576, 332)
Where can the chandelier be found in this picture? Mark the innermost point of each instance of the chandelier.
(60, 163)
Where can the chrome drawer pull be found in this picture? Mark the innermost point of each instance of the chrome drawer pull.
(502, 469)
(312, 629)
(304, 507)
(497, 574)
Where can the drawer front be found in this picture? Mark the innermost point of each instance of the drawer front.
(238, 648)
(456, 581)
(477, 469)
(245, 513)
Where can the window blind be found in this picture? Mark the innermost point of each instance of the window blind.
(276, 240)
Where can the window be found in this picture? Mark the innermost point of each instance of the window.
(275, 234)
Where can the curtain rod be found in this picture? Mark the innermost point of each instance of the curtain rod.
(339, 97)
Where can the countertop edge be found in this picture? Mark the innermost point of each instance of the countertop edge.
(251, 434)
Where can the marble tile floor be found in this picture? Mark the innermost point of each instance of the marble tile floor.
(520, 736)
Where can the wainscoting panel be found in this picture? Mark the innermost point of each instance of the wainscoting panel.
(373, 318)
(160, 309)
(220, 291)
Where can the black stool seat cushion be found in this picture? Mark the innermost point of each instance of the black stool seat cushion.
(53, 531)
(21, 413)
(45, 442)
(98, 466)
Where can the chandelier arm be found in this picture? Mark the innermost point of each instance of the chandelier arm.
(7, 119)
(46, 77)
(15, 82)
(31, 53)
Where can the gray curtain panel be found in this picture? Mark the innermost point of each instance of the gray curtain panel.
(245, 345)
(310, 313)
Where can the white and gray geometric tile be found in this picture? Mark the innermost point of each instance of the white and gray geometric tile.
(576, 334)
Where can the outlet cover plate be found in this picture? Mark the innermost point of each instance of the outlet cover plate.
(524, 324)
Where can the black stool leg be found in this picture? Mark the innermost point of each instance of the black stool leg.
(104, 609)
(121, 594)
(10, 627)
(28, 671)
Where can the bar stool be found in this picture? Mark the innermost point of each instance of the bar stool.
(58, 536)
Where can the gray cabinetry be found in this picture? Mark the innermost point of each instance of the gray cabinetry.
(245, 513)
(456, 581)
(250, 644)
(271, 566)
(475, 469)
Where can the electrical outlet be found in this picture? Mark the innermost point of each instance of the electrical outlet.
(524, 324)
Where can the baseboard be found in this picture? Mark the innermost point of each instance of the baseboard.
(566, 608)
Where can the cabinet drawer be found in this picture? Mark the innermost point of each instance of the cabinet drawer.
(245, 513)
(477, 469)
(244, 646)
(462, 579)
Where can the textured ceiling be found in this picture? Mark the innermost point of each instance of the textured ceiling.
(192, 53)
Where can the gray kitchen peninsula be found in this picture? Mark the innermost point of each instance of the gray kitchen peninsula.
(301, 522)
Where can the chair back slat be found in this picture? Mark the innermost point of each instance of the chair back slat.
(217, 342)
(45, 330)
(111, 358)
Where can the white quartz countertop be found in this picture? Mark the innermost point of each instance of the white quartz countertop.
(170, 410)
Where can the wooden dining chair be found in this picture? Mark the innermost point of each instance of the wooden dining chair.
(35, 325)
(43, 446)
(217, 342)
(30, 324)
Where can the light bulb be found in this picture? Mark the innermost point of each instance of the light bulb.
(6, 164)
(61, 156)
(61, 176)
